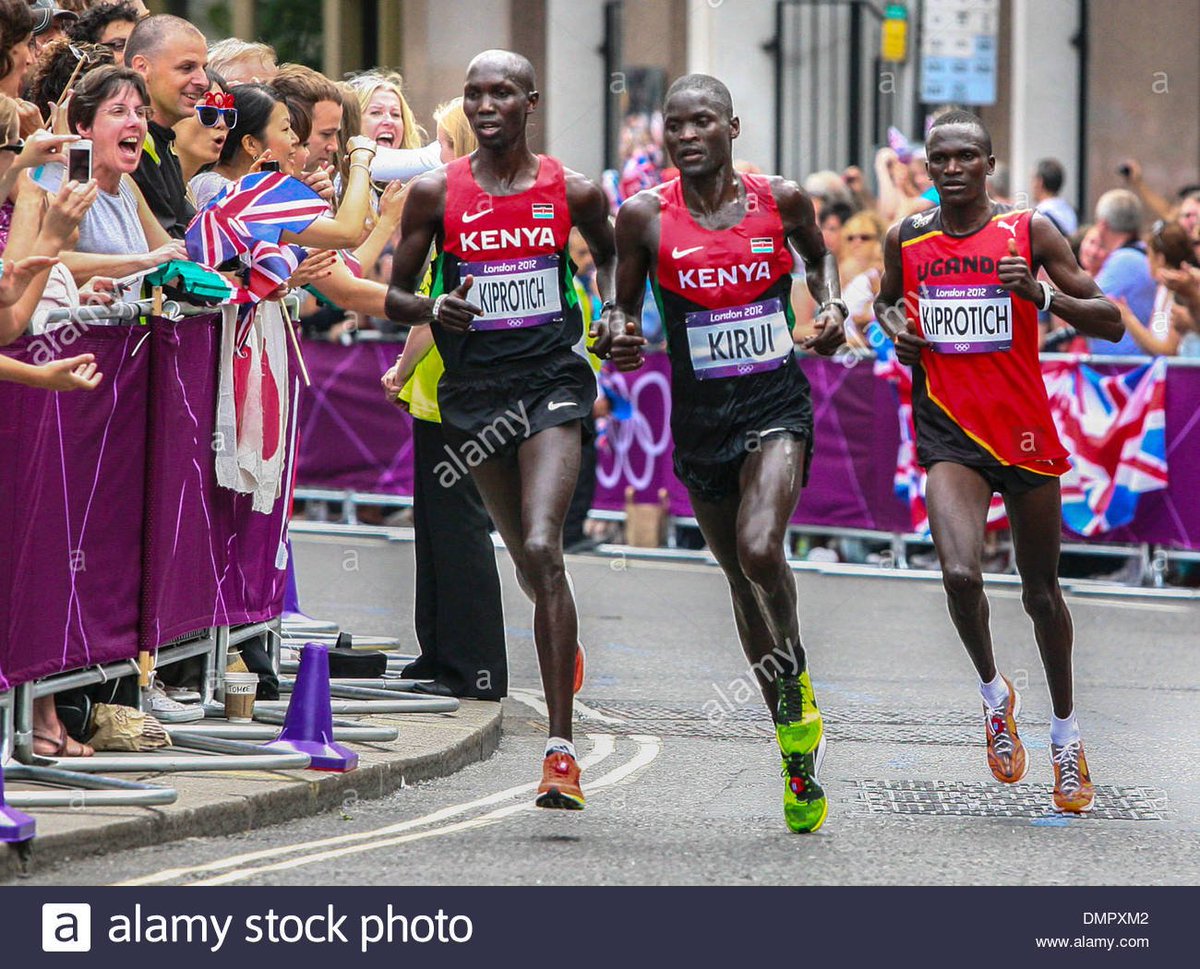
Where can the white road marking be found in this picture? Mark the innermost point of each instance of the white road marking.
(648, 749)
(536, 703)
(602, 748)
(530, 699)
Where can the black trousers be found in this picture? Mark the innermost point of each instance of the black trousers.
(459, 617)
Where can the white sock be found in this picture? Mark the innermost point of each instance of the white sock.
(1065, 731)
(558, 743)
(995, 694)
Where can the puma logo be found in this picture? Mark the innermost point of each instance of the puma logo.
(469, 218)
(1011, 228)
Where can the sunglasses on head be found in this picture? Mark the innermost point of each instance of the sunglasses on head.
(216, 107)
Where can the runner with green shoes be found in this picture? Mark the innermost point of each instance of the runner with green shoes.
(716, 247)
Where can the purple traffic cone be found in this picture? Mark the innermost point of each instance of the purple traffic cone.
(291, 594)
(308, 726)
(14, 825)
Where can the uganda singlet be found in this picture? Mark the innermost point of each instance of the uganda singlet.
(515, 247)
(978, 395)
(725, 301)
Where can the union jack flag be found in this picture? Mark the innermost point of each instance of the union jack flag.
(1115, 429)
(246, 220)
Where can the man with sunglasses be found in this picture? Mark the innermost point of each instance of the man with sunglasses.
(106, 24)
(170, 54)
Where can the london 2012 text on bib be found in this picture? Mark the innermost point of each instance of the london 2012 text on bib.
(966, 318)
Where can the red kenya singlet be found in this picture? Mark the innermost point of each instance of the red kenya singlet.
(515, 247)
(725, 300)
(978, 394)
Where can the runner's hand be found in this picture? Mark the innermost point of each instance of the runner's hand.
(455, 311)
(909, 345)
(1015, 276)
(628, 347)
(830, 333)
(601, 335)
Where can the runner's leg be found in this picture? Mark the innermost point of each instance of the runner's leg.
(772, 478)
(958, 499)
(549, 466)
(745, 534)
(1036, 520)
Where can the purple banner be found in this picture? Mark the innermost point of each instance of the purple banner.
(209, 559)
(854, 458)
(116, 535)
(352, 439)
(71, 504)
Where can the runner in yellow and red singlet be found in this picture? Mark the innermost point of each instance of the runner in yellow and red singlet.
(715, 246)
(959, 290)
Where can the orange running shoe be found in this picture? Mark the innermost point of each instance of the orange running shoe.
(560, 783)
(580, 666)
(1005, 752)
(1074, 792)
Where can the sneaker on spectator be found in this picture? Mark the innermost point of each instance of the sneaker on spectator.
(181, 694)
(156, 702)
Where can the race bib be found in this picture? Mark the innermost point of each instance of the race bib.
(738, 340)
(967, 318)
(514, 293)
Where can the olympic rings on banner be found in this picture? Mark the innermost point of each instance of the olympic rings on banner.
(625, 435)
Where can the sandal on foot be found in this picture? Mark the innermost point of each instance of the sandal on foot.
(64, 745)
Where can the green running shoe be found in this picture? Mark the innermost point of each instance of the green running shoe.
(805, 806)
(798, 725)
(800, 732)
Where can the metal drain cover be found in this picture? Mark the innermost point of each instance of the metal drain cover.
(979, 800)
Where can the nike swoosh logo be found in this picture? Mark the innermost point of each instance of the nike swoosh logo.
(556, 404)
(680, 253)
(468, 219)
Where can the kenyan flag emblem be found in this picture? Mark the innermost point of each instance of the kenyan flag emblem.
(762, 245)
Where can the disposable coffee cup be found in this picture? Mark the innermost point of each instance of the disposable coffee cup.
(240, 689)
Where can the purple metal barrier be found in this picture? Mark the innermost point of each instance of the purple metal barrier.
(115, 540)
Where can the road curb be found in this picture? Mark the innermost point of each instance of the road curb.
(309, 793)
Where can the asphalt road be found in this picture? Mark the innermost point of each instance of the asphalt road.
(684, 788)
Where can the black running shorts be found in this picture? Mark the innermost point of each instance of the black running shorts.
(714, 481)
(500, 407)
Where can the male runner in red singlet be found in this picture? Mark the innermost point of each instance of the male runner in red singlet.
(968, 327)
(715, 245)
(505, 318)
